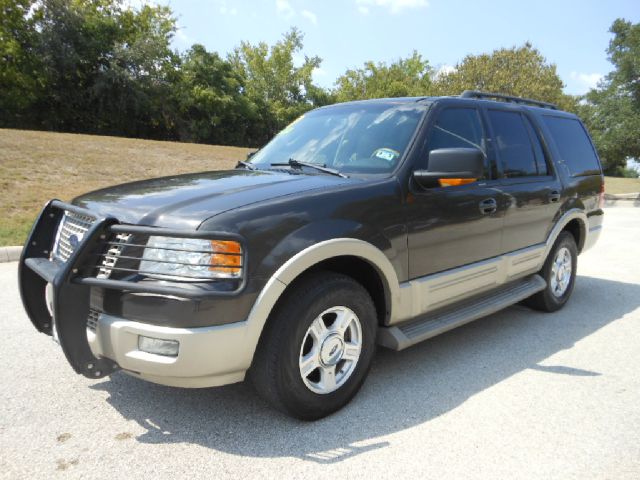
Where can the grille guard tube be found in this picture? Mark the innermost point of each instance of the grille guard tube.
(70, 300)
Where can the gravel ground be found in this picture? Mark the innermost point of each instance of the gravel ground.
(516, 395)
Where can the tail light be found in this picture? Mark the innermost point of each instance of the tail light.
(601, 195)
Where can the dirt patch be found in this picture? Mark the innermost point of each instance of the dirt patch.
(62, 464)
(63, 437)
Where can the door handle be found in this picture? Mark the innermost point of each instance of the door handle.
(554, 196)
(488, 205)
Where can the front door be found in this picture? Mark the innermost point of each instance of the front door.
(452, 226)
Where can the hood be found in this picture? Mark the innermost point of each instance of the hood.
(185, 201)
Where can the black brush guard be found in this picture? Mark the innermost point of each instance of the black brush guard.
(72, 281)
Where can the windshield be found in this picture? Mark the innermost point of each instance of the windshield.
(356, 138)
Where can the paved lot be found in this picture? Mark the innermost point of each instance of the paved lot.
(516, 395)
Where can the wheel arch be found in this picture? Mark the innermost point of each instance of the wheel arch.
(363, 272)
(578, 229)
(344, 255)
(575, 222)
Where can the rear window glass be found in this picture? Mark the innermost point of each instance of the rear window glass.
(574, 145)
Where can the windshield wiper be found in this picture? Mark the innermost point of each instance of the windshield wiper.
(293, 163)
(246, 165)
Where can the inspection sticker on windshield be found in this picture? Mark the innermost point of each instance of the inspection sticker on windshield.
(387, 154)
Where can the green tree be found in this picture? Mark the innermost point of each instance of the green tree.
(20, 76)
(612, 111)
(131, 91)
(409, 76)
(212, 107)
(280, 90)
(74, 45)
(87, 66)
(520, 71)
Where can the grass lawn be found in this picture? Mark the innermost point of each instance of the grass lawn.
(621, 185)
(38, 166)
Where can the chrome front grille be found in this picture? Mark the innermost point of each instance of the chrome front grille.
(71, 231)
(111, 256)
(92, 320)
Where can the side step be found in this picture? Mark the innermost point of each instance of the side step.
(434, 323)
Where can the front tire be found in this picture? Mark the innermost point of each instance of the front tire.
(559, 271)
(317, 347)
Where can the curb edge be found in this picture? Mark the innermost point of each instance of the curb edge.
(10, 254)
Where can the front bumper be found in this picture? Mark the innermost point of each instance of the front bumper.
(208, 356)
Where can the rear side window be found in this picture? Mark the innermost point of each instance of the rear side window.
(513, 142)
(574, 145)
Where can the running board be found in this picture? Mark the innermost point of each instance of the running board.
(432, 324)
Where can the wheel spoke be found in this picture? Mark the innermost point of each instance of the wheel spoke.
(318, 329)
(351, 352)
(328, 378)
(309, 363)
(343, 319)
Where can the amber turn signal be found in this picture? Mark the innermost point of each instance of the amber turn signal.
(226, 257)
(454, 182)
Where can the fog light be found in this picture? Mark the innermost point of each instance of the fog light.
(158, 346)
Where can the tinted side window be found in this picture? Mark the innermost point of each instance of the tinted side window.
(574, 145)
(513, 144)
(457, 128)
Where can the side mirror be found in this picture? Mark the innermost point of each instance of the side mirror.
(251, 154)
(452, 164)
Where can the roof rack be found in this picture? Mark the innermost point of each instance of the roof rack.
(507, 98)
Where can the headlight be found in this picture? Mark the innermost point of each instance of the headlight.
(191, 259)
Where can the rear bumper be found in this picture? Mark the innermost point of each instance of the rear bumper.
(594, 229)
(207, 356)
(592, 237)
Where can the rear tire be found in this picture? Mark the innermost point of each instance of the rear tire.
(325, 327)
(559, 271)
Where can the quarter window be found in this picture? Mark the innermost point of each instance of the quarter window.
(574, 145)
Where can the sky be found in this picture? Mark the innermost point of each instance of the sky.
(345, 33)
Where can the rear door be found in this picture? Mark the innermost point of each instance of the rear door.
(451, 226)
(527, 179)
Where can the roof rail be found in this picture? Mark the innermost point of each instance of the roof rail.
(507, 98)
